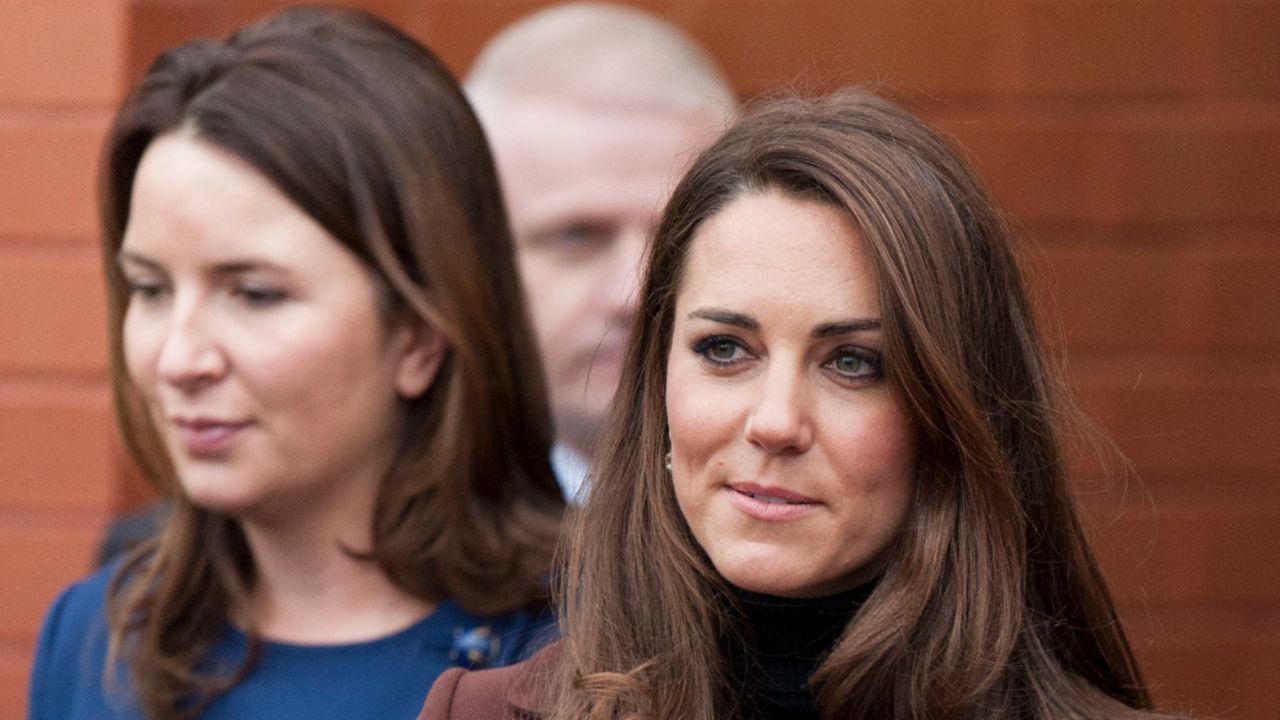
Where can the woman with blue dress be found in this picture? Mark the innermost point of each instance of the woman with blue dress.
(320, 354)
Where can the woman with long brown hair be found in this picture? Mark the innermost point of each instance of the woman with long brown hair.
(320, 353)
(833, 483)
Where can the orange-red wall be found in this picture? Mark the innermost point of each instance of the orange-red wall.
(62, 66)
(1135, 143)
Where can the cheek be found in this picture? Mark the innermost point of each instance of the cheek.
(689, 422)
(687, 435)
(691, 491)
(879, 462)
(140, 341)
(314, 369)
(555, 299)
(537, 277)
(890, 444)
(554, 282)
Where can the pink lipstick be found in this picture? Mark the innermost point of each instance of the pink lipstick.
(202, 436)
(770, 503)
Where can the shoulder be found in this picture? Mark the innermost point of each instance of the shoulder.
(71, 649)
(79, 607)
(497, 694)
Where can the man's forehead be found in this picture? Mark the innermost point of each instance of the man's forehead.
(520, 104)
(553, 126)
(566, 158)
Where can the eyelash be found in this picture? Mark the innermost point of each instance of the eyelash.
(872, 358)
(252, 295)
(703, 347)
(144, 290)
(257, 296)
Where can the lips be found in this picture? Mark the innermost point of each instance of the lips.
(766, 493)
(204, 436)
(770, 503)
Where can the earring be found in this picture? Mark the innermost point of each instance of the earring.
(668, 462)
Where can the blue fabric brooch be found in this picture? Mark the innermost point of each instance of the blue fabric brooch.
(474, 648)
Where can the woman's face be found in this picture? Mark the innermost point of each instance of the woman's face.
(791, 458)
(258, 341)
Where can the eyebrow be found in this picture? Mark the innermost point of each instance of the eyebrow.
(228, 268)
(825, 330)
(725, 317)
(124, 257)
(846, 327)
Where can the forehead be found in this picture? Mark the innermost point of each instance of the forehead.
(561, 156)
(180, 175)
(770, 249)
(193, 201)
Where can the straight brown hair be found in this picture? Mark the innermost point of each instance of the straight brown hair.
(991, 604)
(367, 132)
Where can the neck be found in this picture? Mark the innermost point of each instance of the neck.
(308, 589)
(580, 443)
(787, 639)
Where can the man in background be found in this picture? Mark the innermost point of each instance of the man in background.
(593, 112)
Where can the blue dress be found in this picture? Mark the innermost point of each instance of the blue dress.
(385, 678)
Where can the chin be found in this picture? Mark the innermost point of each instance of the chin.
(218, 497)
(749, 576)
(230, 507)
(757, 565)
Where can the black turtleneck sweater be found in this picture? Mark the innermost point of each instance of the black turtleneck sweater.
(786, 639)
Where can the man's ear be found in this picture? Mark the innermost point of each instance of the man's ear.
(421, 349)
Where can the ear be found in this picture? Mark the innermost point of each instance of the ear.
(420, 349)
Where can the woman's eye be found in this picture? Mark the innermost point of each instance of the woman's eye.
(856, 363)
(144, 290)
(720, 350)
(260, 296)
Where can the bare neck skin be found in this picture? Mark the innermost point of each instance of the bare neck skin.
(309, 591)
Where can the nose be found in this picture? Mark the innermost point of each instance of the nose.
(189, 357)
(780, 424)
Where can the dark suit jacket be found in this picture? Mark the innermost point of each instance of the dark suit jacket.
(515, 692)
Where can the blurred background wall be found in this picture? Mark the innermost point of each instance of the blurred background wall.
(1134, 143)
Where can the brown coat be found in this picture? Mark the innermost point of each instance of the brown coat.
(508, 693)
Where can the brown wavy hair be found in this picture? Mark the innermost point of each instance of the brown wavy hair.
(366, 131)
(991, 604)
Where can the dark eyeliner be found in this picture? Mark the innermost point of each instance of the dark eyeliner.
(871, 357)
(704, 346)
